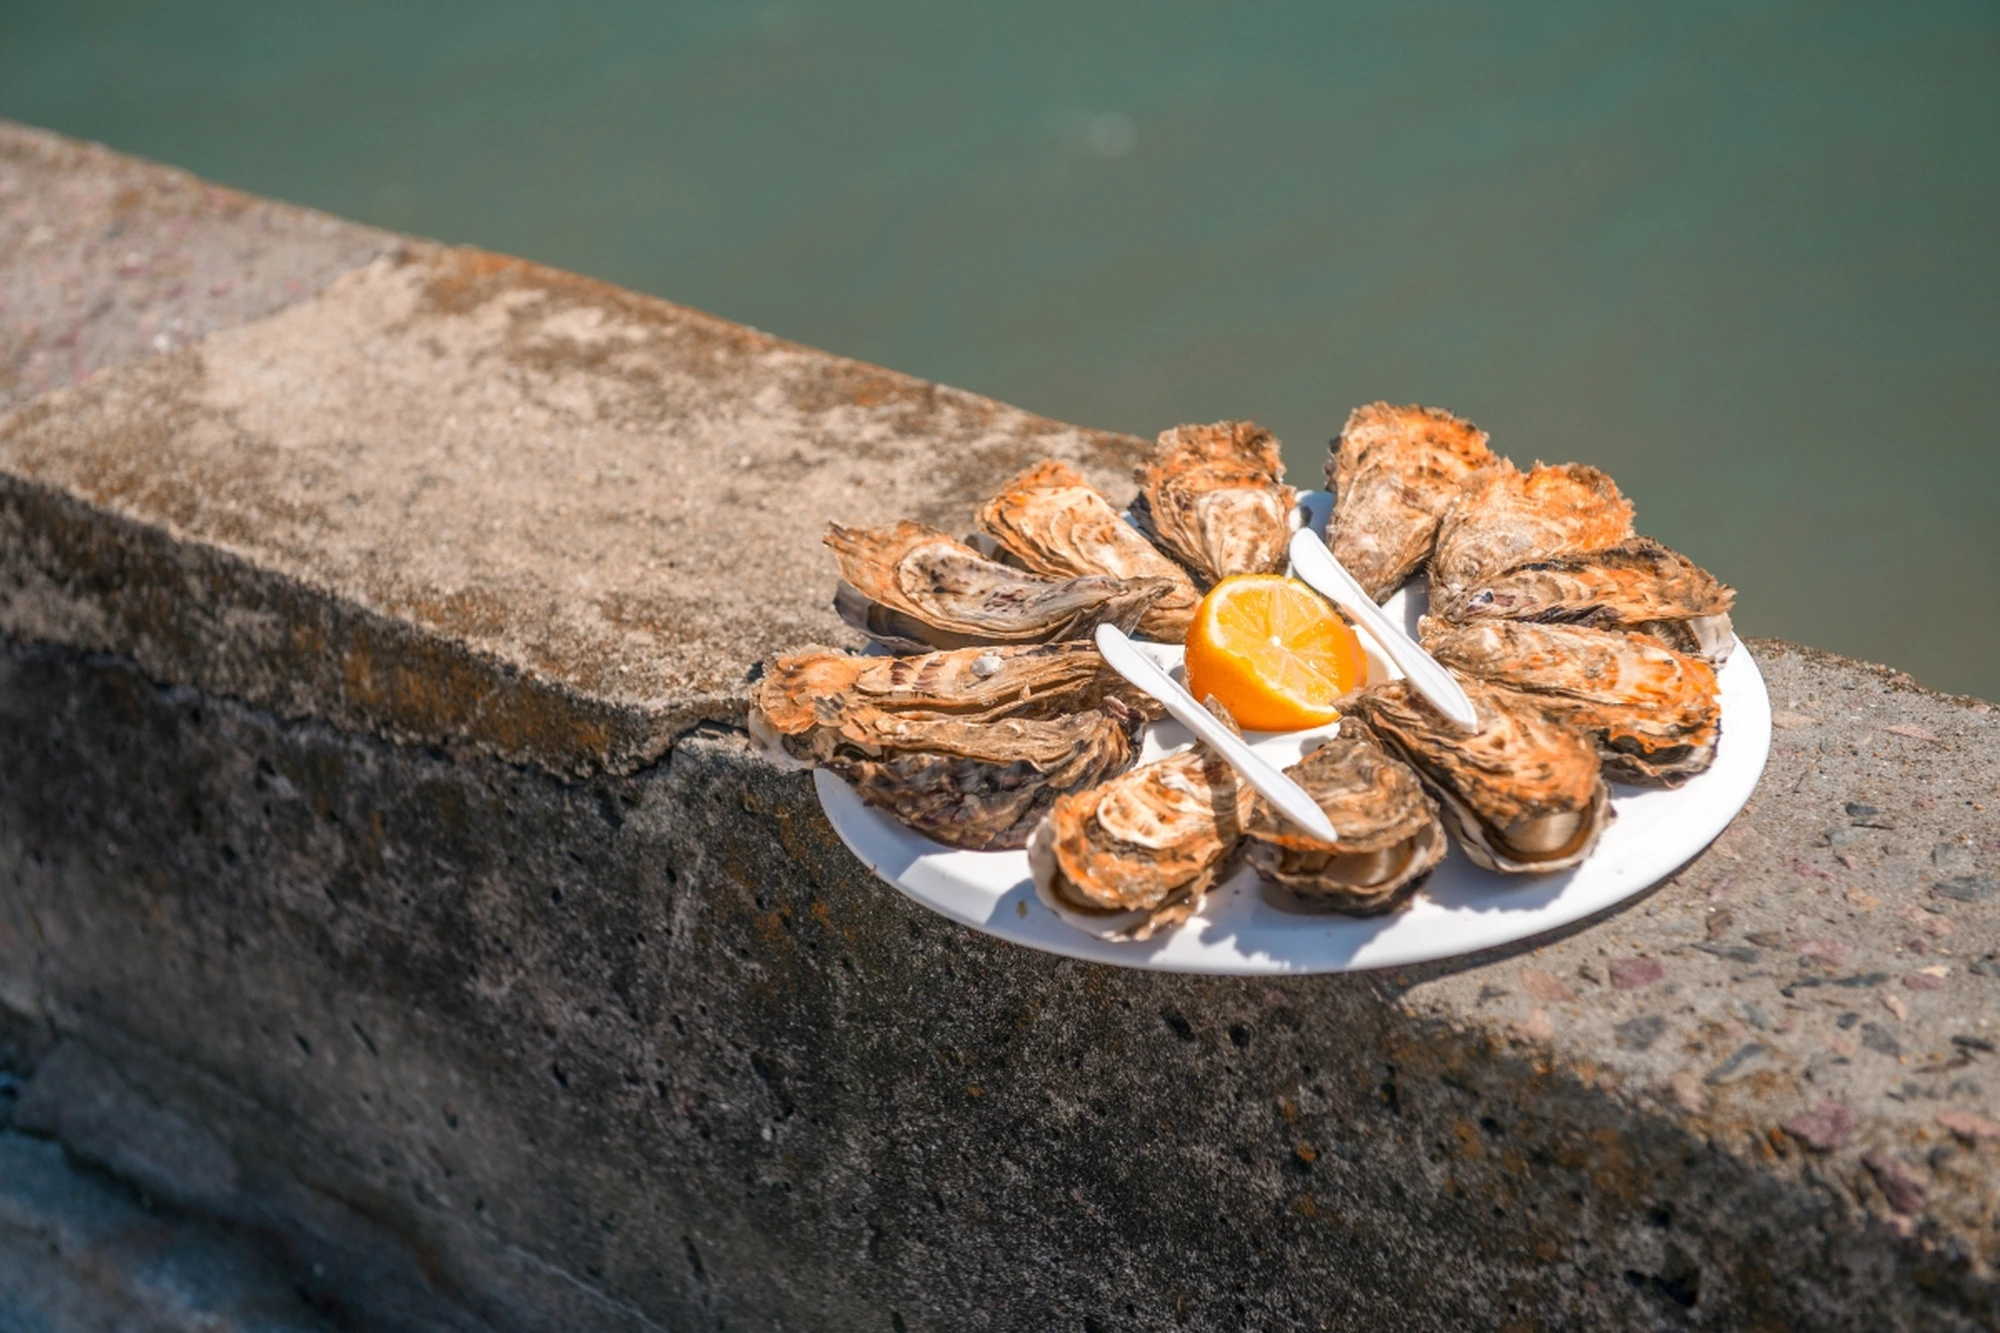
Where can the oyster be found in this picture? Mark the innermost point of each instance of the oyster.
(1390, 837)
(1636, 584)
(1393, 473)
(912, 587)
(1655, 713)
(1214, 498)
(1050, 521)
(1523, 794)
(802, 693)
(1134, 855)
(1506, 517)
(958, 746)
(1556, 544)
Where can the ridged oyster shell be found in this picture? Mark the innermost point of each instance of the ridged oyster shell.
(1390, 837)
(1656, 714)
(1136, 854)
(1507, 517)
(1556, 544)
(967, 755)
(1711, 638)
(1213, 497)
(1523, 795)
(1051, 522)
(1393, 472)
(802, 696)
(911, 587)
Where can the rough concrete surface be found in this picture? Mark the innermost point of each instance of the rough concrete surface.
(104, 259)
(381, 874)
(654, 1052)
(459, 497)
(79, 1255)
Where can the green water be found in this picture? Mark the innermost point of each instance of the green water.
(1741, 255)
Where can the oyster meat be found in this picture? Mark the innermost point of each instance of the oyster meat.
(1656, 713)
(1134, 855)
(1524, 794)
(961, 747)
(1051, 522)
(911, 587)
(1390, 837)
(1394, 471)
(1215, 499)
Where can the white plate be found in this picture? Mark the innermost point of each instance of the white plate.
(1239, 931)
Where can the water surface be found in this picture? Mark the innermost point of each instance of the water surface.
(1741, 255)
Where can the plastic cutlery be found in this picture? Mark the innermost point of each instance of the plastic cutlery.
(1129, 661)
(1314, 565)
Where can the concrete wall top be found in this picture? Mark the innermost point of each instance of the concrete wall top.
(434, 492)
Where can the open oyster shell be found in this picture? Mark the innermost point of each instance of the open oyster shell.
(802, 697)
(1506, 517)
(1390, 837)
(1556, 544)
(1051, 522)
(911, 587)
(1214, 498)
(1523, 795)
(936, 742)
(1136, 854)
(1656, 714)
(1393, 472)
(1636, 584)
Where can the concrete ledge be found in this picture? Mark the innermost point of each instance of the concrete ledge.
(463, 499)
(374, 875)
(105, 260)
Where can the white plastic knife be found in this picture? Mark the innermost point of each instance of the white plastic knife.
(1131, 662)
(1314, 565)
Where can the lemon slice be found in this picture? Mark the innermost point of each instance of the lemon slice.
(1273, 652)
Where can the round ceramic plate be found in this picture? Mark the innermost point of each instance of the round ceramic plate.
(1242, 930)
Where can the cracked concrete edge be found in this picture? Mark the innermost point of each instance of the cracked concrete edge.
(107, 259)
(188, 612)
(444, 495)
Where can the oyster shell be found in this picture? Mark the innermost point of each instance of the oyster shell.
(1134, 855)
(1655, 713)
(1636, 584)
(798, 702)
(1711, 638)
(1050, 521)
(958, 749)
(1214, 498)
(1393, 472)
(911, 587)
(1524, 794)
(1390, 837)
(1506, 517)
